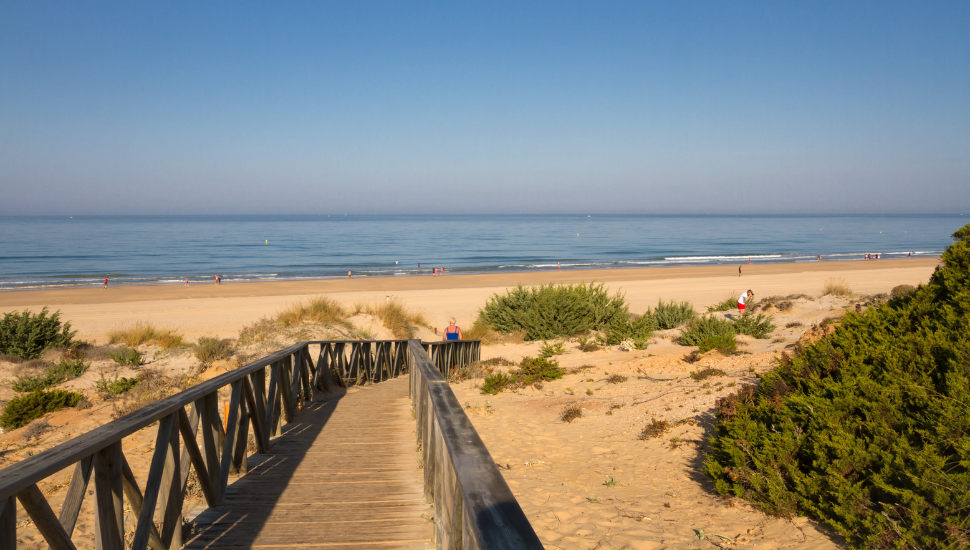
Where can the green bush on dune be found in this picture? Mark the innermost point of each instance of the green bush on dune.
(21, 410)
(26, 335)
(547, 312)
(866, 430)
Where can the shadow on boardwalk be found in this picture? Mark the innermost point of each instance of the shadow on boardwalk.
(345, 475)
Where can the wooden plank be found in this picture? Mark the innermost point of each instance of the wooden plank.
(211, 424)
(253, 414)
(172, 494)
(108, 488)
(239, 463)
(44, 518)
(272, 405)
(146, 516)
(193, 426)
(197, 459)
(8, 524)
(231, 420)
(75, 495)
(136, 501)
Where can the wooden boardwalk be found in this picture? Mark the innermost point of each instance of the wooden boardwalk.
(344, 475)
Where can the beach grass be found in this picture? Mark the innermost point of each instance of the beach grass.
(139, 333)
(727, 304)
(321, 309)
(836, 287)
(396, 317)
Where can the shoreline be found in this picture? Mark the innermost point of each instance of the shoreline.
(175, 291)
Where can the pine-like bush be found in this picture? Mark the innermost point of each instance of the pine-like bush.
(21, 410)
(27, 334)
(759, 326)
(552, 311)
(867, 430)
(672, 314)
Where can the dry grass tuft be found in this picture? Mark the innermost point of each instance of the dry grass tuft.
(707, 373)
(570, 413)
(397, 318)
(322, 309)
(616, 379)
(836, 287)
(489, 337)
(145, 333)
(152, 386)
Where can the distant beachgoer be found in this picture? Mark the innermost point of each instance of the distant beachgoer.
(442, 271)
(348, 274)
(452, 332)
(742, 299)
(215, 279)
(819, 257)
(186, 281)
(739, 271)
(749, 259)
(106, 283)
(419, 266)
(910, 254)
(434, 272)
(560, 266)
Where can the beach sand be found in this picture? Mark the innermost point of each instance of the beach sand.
(590, 483)
(210, 310)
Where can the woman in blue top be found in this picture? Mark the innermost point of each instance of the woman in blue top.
(452, 332)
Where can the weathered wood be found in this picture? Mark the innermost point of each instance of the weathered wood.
(108, 487)
(197, 459)
(273, 404)
(253, 414)
(8, 524)
(44, 518)
(227, 447)
(75, 495)
(136, 501)
(146, 515)
(193, 425)
(172, 495)
(239, 463)
(211, 426)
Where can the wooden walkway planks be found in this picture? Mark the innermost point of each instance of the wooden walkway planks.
(344, 475)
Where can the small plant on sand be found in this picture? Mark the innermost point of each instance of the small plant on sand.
(654, 429)
(478, 369)
(570, 413)
(672, 315)
(611, 482)
(589, 391)
(26, 335)
(126, 356)
(633, 328)
(145, 333)
(794, 324)
(710, 333)
(586, 343)
(704, 374)
(759, 326)
(692, 357)
(70, 365)
(209, 349)
(836, 287)
(727, 304)
(397, 318)
(616, 379)
(497, 383)
(115, 385)
(21, 410)
(555, 348)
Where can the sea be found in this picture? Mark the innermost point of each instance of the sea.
(79, 251)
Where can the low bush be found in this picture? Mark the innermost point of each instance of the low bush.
(209, 349)
(397, 318)
(586, 343)
(901, 291)
(532, 371)
(151, 386)
(26, 335)
(478, 369)
(570, 413)
(759, 326)
(671, 315)
(145, 333)
(616, 379)
(553, 311)
(836, 287)
(704, 374)
(555, 348)
(866, 430)
(21, 410)
(126, 356)
(633, 328)
(704, 329)
(727, 304)
(724, 343)
(654, 429)
(71, 365)
(115, 385)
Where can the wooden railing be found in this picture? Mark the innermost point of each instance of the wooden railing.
(191, 436)
(449, 355)
(474, 507)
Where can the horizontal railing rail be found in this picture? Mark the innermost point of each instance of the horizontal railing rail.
(474, 507)
(191, 435)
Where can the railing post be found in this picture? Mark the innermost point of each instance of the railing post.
(109, 522)
(8, 523)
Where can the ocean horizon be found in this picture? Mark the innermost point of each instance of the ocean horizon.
(79, 251)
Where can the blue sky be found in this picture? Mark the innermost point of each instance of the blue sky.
(455, 107)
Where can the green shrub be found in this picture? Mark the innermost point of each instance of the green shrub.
(552, 311)
(727, 304)
(638, 329)
(208, 350)
(866, 430)
(69, 366)
(21, 410)
(114, 386)
(555, 348)
(724, 343)
(26, 334)
(30, 383)
(126, 356)
(672, 315)
(901, 291)
(704, 328)
(758, 326)
(532, 371)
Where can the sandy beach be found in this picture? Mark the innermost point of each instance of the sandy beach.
(210, 310)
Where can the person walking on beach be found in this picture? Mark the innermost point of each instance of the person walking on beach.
(742, 299)
(452, 332)
(739, 271)
(106, 283)
(186, 281)
(348, 274)
(434, 272)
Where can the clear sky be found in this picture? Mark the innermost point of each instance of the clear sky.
(484, 107)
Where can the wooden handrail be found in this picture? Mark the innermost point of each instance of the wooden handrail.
(474, 507)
